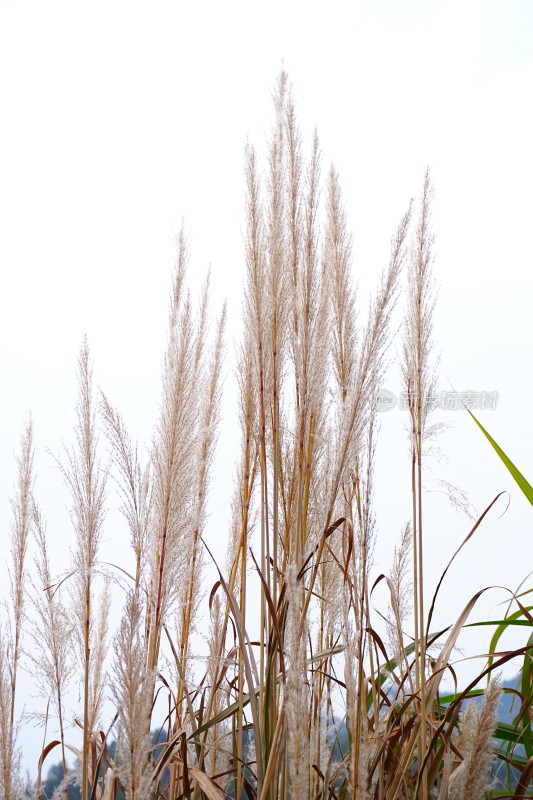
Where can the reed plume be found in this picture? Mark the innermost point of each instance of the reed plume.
(51, 631)
(471, 779)
(174, 457)
(133, 689)
(400, 586)
(419, 388)
(11, 636)
(86, 480)
(296, 700)
(133, 484)
(338, 256)
(297, 692)
(208, 423)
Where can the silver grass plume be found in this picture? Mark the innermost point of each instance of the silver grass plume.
(369, 367)
(11, 640)
(338, 260)
(400, 605)
(276, 312)
(471, 779)
(241, 506)
(51, 631)
(132, 690)
(86, 482)
(350, 680)
(362, 513)
(98, 656)
(359, 756)
(419, 375)
(242, 521)
(302, 420)
(219, 736)
(133, 484)
(207, 435)
(419, 386)
(296, 698)
(175, 456)
(310, 346)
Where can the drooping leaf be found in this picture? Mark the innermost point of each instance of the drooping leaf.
(517, 475)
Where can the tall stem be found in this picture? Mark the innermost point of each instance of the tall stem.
(85, 753)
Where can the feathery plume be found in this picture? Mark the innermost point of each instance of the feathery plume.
(86, 481)
(11, 640)
(52, 636)
(400, 585)
(337, 257)
(133, 484)
(296, 699)
(471, 779)
(419, 387)
(174, 457)
(132, 691)
(209, 418)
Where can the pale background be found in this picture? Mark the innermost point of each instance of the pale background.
(120, 118)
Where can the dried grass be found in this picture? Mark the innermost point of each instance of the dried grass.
(301, 697)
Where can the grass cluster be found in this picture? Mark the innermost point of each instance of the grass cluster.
(303, 693)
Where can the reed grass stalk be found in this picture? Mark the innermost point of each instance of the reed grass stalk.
(305, 690)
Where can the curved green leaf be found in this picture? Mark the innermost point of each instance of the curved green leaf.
(517, 475)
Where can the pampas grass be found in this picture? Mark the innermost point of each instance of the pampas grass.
(298, 693)
(11, 633)
(472, 776)
(86, 481)
(51, 650)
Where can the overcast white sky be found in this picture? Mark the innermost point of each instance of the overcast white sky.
(117, 119)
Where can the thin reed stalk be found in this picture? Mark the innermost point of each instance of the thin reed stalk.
(419, 386)
(51, 632)
(11, 636)
(86, 481)
(300, 686)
